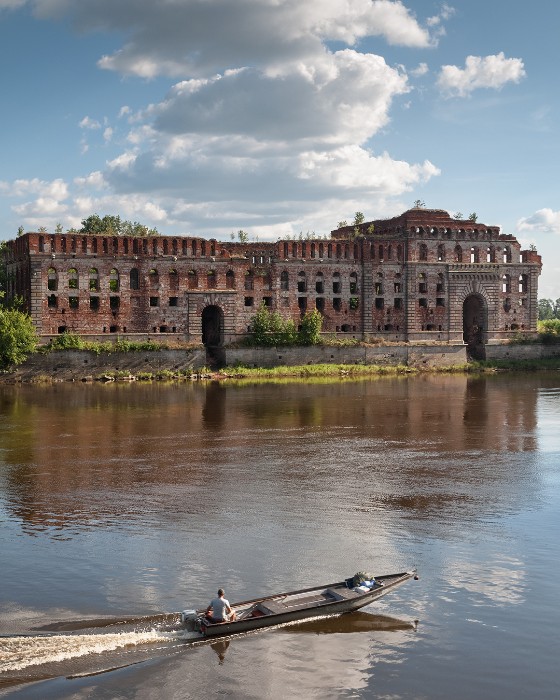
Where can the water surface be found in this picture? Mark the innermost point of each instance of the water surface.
(120, 503)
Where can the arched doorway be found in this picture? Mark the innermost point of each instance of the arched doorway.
(213, 335)
(213, 326)
(475, 324)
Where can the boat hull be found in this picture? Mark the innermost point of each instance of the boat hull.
(349, 602)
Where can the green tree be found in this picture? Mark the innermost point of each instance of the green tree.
(458, 215)
(311, 324)
(359, 218)
(20, 231)
(17, 336)
(546, 309)
(342, 224)
(419, 204)
(242, 236)
(3, 269)
(473, 217)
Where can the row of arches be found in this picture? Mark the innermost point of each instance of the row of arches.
(474, 254)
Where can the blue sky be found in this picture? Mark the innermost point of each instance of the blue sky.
(203, 117)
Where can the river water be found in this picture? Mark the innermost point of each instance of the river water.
(119, 503)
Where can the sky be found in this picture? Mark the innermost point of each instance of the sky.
(203, 117)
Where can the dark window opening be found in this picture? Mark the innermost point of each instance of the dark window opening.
(114, 303)
(320, 304)
(423, 302)
(354, 303)
(380, 303)
(173, 301)
(94, 303)
(337, 303)
(302, 303)
(52, 301)
(398, 303)
(267, 301)
(249, 301)
(73, 302)
(440, 301)
(154, 301)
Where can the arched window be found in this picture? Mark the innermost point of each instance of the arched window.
(329, 251)
(154, 278)
(52, 279)
(506, 284)
(134, 278)
(475, 257)
(301, 282)
(389, 252)
(114, 280)
(313, 250)
(441, 252)
(165, 246)
(211, 279)
(458, 254)
(319, 283)
(286, 249)
(72, 278)
(338, 251)
(249, 280)
(173, 279)
(507, 254)
(93, 280)
(267, 282)
(423, 252)
(174, 248)
(284, 281)
(294, 250)
(381, 253)
(440, 286)
(336, 283)
(523, 284)
(353, 283)
(422, 283)
(155, 246)
(321, 250)
(230, 279)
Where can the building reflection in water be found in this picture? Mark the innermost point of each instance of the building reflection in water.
(85, 456)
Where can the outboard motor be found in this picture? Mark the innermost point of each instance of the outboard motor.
(188, 619)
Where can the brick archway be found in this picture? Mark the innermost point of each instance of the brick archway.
(475, 325)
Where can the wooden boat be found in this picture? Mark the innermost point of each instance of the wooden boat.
(319, 601)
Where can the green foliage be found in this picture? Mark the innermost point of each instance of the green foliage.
(342, 224)
(71, 341)
(458, 215)
(359, 218)
(418, 204)
(3, 270)
(548, 309)
(115, 226)
(473, 217)
(270, 328)
(17, 336)
(311, 324)
(549, 331)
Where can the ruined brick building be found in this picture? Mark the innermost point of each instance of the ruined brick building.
(421, 276)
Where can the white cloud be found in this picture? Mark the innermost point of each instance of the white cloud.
(421, 69)
(107, 134)
(545, 220)
(11, 4)
(480, 72)
(183, 38)
(89, 123)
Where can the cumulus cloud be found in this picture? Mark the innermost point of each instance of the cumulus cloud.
(266, 124)
(183, 38)
(545, 220)
(480, 72)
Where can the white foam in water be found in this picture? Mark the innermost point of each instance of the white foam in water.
(17, 653)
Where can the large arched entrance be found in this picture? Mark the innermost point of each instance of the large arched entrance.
(475, 324)
(213, 335)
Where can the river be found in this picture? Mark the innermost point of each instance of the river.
(121, 502)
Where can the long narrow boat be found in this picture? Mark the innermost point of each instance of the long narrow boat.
(319, 601)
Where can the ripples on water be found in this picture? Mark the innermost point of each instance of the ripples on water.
(121, 503)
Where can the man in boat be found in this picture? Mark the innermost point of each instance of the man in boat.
(219, 609)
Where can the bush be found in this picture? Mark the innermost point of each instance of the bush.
(17, 337)
(311, 324)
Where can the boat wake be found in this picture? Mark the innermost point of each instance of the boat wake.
(17, 653)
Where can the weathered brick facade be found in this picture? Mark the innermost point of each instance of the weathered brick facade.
(422, 276)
